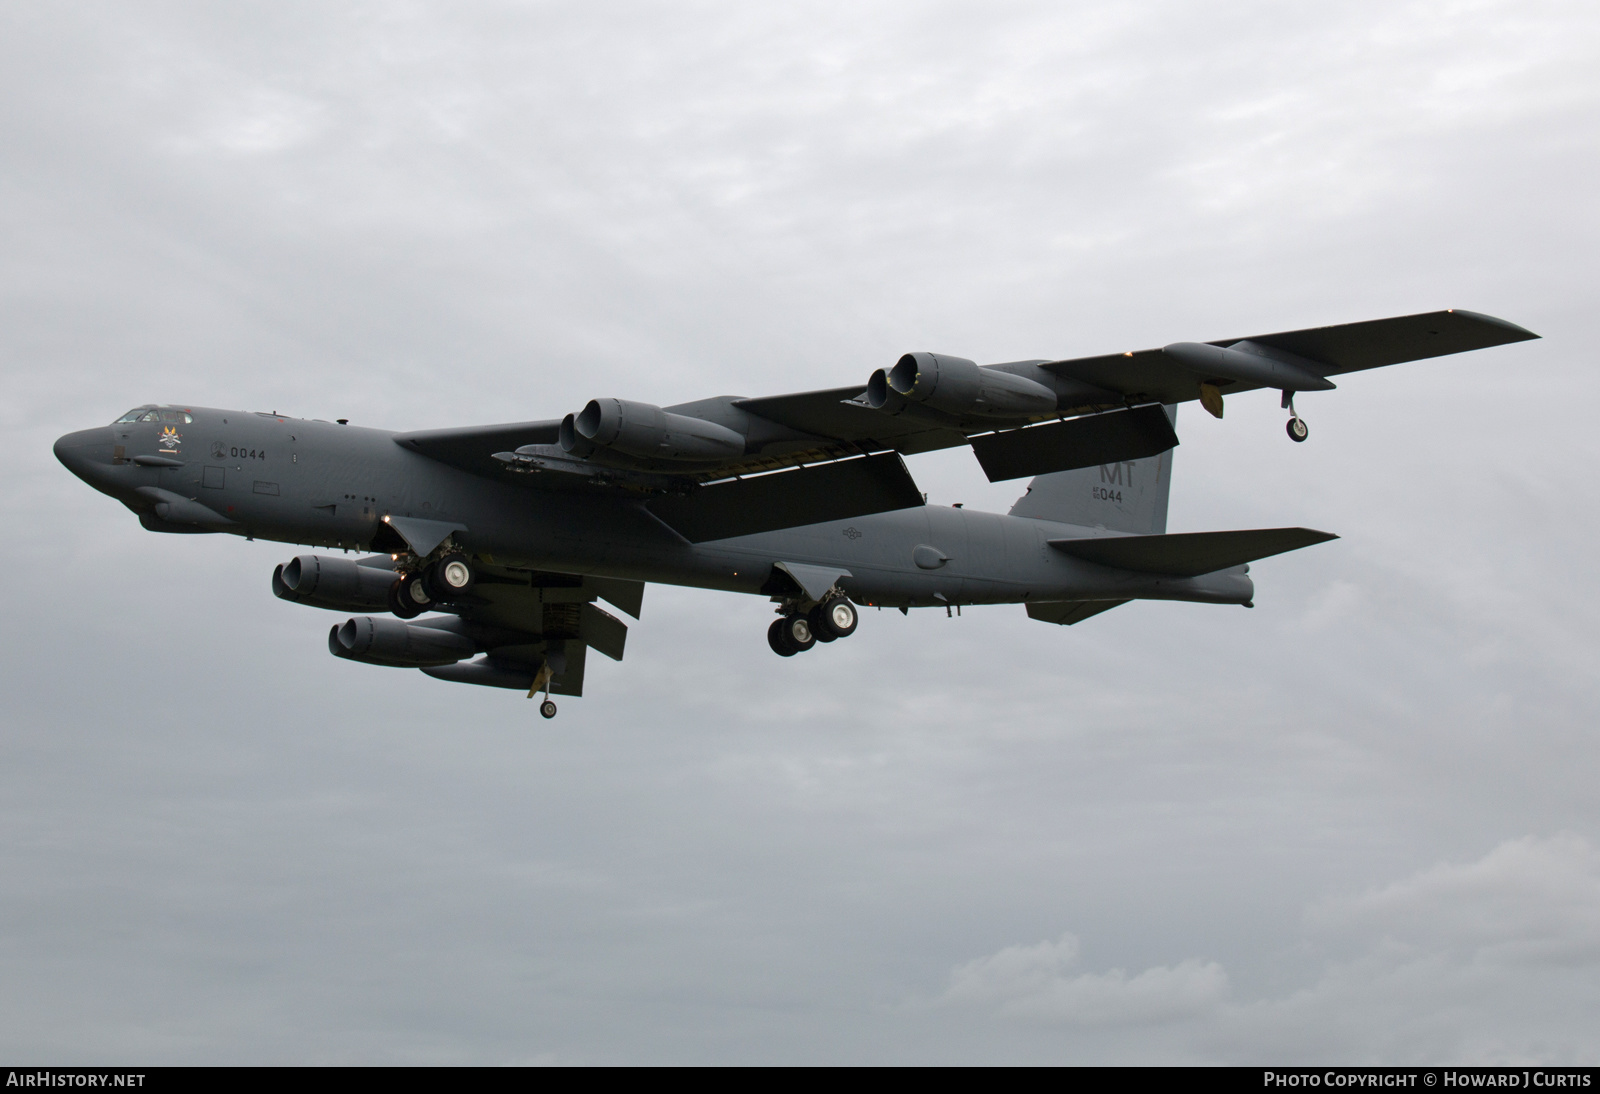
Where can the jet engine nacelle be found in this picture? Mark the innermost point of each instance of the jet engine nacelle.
(958, 387)
(639, 429)
(341, 584)
(384, 640)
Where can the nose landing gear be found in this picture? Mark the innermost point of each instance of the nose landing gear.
(1296, 427)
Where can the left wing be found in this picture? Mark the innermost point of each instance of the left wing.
(690, 463)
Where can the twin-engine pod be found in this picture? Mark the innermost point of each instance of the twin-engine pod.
(338, 583)
(958, 387)
(639, 429)
(382, 640)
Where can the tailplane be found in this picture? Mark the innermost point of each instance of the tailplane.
(1120, 497)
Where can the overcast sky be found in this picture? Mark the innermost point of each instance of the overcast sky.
(1358, 823)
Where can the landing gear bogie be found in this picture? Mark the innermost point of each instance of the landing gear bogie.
(796, 631)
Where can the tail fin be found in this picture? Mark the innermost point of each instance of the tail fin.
(1122, 497)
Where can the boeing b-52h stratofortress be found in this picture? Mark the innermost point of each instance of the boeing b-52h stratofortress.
(509, 534)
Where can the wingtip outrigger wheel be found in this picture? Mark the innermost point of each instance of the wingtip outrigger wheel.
(1296, 427)
(547, 708)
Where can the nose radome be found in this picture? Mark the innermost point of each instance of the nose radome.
(79, 451)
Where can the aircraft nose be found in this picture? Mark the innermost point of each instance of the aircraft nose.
(82, 451)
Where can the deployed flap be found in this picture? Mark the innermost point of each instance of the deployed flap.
(422, 536)
(1068, 612)
(814, 581)
(1189, 554)
(1115, 437)
(1130, 496)
(602, 630)
(789, 499)
(624, 594)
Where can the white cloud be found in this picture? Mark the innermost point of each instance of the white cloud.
(1482, 962)
(1528, 901)
(1037, 983)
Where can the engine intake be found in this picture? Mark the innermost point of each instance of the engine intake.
(959, 387)
(639, 429)
(383, 640)
(341, 584)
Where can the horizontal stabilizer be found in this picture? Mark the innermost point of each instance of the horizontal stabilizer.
(1068, 612)
(1114, 437)
(1189, 554)
(789, 499)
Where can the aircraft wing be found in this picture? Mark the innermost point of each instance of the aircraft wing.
(536, 627)
(1155, 375)
(702, 467)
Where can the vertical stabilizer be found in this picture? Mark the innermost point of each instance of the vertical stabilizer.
(1121, 497)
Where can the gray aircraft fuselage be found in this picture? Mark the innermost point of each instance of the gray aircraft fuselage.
(329, 485)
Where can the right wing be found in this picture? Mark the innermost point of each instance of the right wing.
(531, 625)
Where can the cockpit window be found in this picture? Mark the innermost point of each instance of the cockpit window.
(146, 414)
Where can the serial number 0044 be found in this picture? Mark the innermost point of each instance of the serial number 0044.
(1101, 493)
(248, 453)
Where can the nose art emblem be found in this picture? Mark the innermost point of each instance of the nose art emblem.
(171, 439)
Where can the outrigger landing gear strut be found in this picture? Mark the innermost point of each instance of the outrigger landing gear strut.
(541, 680)
(1297, 427)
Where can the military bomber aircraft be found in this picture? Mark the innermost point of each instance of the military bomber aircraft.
(490, 545)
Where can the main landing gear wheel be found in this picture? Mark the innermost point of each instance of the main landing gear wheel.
(407, 597)
(791, 635)
(547, 708)
(817, 617)
(779, 643)
(449, 577)
(834, 618)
